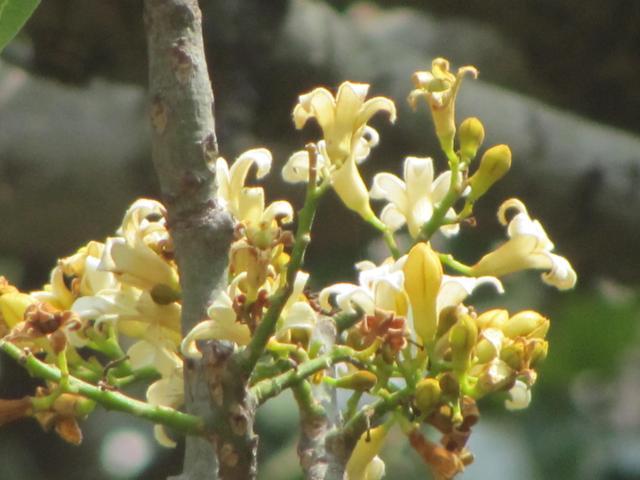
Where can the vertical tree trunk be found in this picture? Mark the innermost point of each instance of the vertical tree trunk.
(183, 147)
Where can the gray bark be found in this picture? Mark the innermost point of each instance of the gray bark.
(183, 146)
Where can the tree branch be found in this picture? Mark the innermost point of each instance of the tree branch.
(183, 145)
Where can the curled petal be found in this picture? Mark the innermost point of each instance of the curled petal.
(512, 203)
(375, 105)
(281, 210)
(214, 330)
(562, 275)
(319, 103)
(347, 295)
(454, 290)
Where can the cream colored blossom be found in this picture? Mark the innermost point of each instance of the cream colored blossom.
(138, 254)
(297, 314)
(439, 87)
(413, 200)
(133, 311)
(75, 276)
(528, 247)
(379, 287)
(347, 139)
(223, 325)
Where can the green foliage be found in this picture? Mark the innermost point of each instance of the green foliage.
(13, 15)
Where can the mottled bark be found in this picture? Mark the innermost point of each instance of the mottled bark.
(183, 147)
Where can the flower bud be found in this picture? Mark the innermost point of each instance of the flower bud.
(71, 405)
(538, 352)
(427, 395)
(360, 381)
(462, 339)
(489, 345)
(495, 318)
(494, 164)
(471, 136)
(13, 306)
(365, 451)
(528, 324)
(423, 276)
(514, 355)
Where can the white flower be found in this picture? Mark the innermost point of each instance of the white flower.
(519, 396)
(413, 200)
(528, 247)
(222, 326)
(297, 313)
(380, 287)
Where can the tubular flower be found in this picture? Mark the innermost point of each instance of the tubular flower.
(364, 463)
(528, 247)
(347, 139)
(413, 200)
(142, 253)
(440, 87)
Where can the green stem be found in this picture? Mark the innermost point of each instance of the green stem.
(108, 399)
(437, 219)
(449, 261)
(387, 235)
(303, 236)
(266, 389)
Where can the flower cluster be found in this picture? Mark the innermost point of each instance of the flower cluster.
(404, 340)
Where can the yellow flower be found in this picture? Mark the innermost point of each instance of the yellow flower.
(440, 87)
(222, 326)
(140, 255)
(247, 204)
(364, 463)
(347, 139)
(423, 277)
(528, 247)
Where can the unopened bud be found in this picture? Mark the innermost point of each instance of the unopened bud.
(163, 294)
(13, 306)
(471, 136)
(528, 324)
(71, 405)
(539, 352)
(423, 276)
(360, 381)
(514, 355)
(428, 393)
(462, 339)
(495, 318)
(494, 164)
(366, 449)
